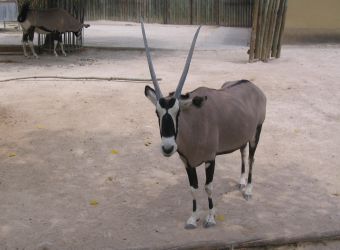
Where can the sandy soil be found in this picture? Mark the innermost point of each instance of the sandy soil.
(63, 187)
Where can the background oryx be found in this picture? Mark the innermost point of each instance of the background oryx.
(205, 123)
(55, 21)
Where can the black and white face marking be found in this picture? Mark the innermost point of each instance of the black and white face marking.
(168, 111)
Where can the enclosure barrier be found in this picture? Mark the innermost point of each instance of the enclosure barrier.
(269, 19)
(231, 13)
(265, 17)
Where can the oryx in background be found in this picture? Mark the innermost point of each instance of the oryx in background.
(50, 21)
(205, 123)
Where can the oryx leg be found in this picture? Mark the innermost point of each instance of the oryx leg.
(30, 33)
(192, 175)
(57, 36)
(62, 48)
(24, 43)
(209, 172)
(243, 179)
(252, 148)
(55, 47)
(27, 36)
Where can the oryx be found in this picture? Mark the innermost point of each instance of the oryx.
(205, 123)
(54, 21)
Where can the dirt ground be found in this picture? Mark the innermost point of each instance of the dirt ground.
(81, 168)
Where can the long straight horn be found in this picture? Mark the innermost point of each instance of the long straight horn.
(82, 15)
(152, 71)
(187, 66)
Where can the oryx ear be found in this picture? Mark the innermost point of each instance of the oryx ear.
(197, 101)
(150, 94)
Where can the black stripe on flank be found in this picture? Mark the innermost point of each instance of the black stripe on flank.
(238, 83)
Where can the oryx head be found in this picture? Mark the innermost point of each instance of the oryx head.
(168, 108)
(81, 19)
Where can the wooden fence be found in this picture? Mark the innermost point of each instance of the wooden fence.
(231, 13)
(266, 17)
(267, 30)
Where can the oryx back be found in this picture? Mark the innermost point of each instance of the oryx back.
(52, 20)
(225, 122)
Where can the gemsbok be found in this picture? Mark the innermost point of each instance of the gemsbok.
(50, 21)
(205, 123)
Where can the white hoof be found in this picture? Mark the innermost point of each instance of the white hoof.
(36, 56)
(248, 192)
(55, 54)
(191, 223)
(64, 54)
(210, 221)
(243, 182)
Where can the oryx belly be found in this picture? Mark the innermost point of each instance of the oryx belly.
(41, 31)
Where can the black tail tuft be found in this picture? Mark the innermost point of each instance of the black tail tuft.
(23, 11)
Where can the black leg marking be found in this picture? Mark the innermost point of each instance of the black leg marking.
(209, 172)
(30, 33)
(243, 168)
(192, 175)
(252, 149)
(25, 37)
(194, 205)
(211, 206)
(60, 37)
(242, 183)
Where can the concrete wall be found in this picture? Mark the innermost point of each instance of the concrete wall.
(313, 21)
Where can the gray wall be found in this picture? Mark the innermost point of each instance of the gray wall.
(8, 11)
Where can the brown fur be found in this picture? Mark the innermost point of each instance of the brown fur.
(54, 20)
(225, 122)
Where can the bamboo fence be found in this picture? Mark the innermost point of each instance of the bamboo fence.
(266, 18)
(230, 13)
(269, 18)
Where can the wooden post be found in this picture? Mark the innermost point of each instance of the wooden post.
(165, 12)
(277, 28)
(271, 25)
(282, 28)
(217, 11)
(264, 9)
(254, 30)
(191, 11)
(272, 29)
(266, 25)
